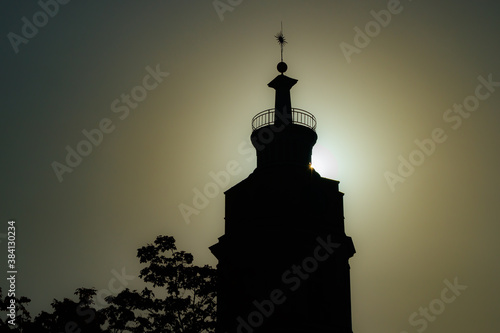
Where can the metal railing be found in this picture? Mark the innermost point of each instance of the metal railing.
(299, 116)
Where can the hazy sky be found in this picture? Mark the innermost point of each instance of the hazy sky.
(172, 86)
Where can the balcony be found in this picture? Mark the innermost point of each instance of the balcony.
(299, 117)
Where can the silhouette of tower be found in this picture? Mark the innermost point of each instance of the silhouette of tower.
(283, 260)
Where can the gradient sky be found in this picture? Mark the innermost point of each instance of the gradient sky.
(441, 223)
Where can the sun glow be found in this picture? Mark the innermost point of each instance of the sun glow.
(324, 162)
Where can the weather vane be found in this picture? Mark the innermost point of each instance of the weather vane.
(281, 40)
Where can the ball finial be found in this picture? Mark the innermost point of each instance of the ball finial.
(282, 67)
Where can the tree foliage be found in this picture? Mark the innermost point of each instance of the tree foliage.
(187, 302)
(182, 300)
(22, 316)
(71, 316)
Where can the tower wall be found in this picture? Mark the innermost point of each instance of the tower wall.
(284, 144)
(278, 219)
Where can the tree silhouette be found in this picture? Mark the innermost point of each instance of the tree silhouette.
(71, 316)
(22, 318)
(130, 311)
(188, 300)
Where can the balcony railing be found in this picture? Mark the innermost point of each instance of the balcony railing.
(299, 116)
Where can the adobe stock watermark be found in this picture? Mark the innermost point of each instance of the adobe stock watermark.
(221, 179)
(221, 7)
(372, 29)
(29, 29)
(420, 320)
(454, 117)
(292, 279)
(94, 137)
